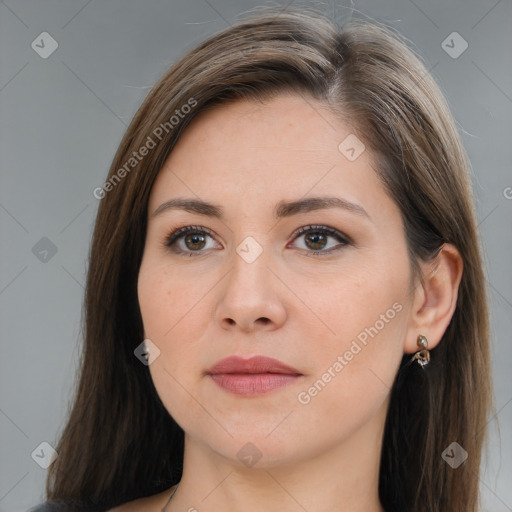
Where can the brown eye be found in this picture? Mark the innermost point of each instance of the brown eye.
(194, 241)
(316, 239)
(189, 240)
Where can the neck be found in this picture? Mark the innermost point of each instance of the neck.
(341, 478)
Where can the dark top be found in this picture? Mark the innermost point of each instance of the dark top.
(53, 506)
(50, 507)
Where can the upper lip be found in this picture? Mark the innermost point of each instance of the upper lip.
(256, 364)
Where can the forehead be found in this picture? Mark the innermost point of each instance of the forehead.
(247, 152)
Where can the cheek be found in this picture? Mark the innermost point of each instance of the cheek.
(366, 315)
(168, 299)
(354, 368)
(157, 305)
(357, 299)
(172, 314)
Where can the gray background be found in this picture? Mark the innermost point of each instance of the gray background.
(61, 119)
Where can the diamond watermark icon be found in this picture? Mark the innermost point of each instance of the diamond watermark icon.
(454, 45)
(44, 250)
(44, 455)
(249, 250)
(147, 352)
(454, 455)
(351, 147)
(249, 454)
(44, 45)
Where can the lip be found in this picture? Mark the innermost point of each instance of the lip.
(254, 376)
(256, 364)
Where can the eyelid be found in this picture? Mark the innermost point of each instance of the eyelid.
(176, 233)
(342, 237)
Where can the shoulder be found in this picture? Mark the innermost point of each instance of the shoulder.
(53, 506)
(148, 504)
(140, 505)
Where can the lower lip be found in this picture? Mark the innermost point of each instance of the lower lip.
(253, 384)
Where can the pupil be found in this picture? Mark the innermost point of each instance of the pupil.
(314, 238)
(195, 239)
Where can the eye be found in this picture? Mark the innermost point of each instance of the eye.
(316, 239)
(189, 240)
(193, 240)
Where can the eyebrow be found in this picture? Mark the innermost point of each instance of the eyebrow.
(281, 210)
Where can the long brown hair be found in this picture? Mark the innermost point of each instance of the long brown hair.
(119, 442)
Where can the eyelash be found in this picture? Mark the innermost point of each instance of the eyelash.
(344, 240)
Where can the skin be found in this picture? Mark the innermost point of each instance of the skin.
(302, 309)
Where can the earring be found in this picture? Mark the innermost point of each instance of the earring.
(423, 355)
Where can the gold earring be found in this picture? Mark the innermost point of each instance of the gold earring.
(423, 355)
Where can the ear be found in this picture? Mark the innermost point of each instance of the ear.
(435, 298)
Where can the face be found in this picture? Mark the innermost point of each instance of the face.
(326, 291)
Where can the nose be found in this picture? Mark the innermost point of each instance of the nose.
(251, 297)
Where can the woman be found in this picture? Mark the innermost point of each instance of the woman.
(285, 303)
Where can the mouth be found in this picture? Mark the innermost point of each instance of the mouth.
(251, 377)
